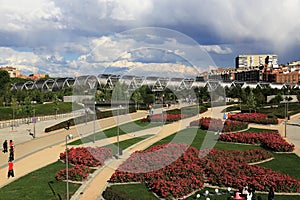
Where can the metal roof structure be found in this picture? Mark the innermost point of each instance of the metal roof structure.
(108, 82)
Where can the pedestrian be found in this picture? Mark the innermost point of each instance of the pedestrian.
(10, 169)
(68, 125)
(11, 144)
(5, 146)
(271, 194)
(11, 154)
(224, 116)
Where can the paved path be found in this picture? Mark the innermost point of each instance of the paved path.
(36, 153)
(94, 188)
(44, 150)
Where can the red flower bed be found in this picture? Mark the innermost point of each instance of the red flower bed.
(165, 118)
(179, 175)
(87, 156)
(267, 139)
(212, 124)
(76, 173)
(257, 118)
(186, 174)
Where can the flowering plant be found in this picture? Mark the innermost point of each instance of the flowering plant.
(258, 118)
(87, 156)
(76, 173)
(189, 172)
(213, 124)
(267, 139)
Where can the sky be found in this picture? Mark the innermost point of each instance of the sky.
(67, 38)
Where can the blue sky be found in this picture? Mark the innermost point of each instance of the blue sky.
(73, 37)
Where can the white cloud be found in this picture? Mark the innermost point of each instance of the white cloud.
(75, 34)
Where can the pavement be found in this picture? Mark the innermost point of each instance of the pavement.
(32, 154)
(45, 148)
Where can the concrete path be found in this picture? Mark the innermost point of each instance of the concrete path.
(43, 150)
(94, 188)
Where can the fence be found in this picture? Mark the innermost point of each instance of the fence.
(17, 122)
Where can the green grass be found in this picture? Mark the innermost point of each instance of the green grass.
(185, 136)
(36, 185)
(286, 163)
(40, 110)
(136, 191)
(112, 132)
(126, 143)
(225, 196)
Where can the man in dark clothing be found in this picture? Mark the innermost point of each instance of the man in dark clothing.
(271, 194)
(11, 154)
(5, 146)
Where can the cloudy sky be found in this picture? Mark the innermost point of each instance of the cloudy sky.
(73, 37)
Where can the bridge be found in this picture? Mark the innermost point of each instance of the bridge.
(108, 82)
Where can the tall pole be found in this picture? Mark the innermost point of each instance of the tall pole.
(70, 136)
(285, 121)
(94, 127)
(67, 170)
(34, 123)
(162, 111)
(13, 122)
(118, 132)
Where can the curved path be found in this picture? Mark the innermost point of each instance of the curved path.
(94, 188)
(43, 150)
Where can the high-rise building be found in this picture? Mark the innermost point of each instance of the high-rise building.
(256, 61)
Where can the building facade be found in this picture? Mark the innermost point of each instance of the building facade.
(256, 61)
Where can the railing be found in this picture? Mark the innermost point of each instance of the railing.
(18, 122)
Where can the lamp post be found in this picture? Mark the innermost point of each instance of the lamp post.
(69, 136)
(286, 112)
(118, 130)
(162, 111)
(94, 118)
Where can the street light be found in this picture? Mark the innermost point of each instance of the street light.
(162, 112)
(118, 130)
(69, 136)
(286, 112)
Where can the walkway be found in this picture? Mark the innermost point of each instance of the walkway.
(94, 188)
(44, 150)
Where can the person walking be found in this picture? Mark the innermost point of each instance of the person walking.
(11, 144)
(4, 145)
(11, 154)
(10, 169)
(271, 194)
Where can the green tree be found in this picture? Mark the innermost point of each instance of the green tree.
(28, 109)
(137, 98)
(56, 104)
(251, 103)
(4, 84)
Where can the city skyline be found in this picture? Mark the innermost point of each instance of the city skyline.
(60, 38)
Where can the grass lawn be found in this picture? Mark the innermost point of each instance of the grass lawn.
(40, 184)
(285, 163)
(40, 110)
(126, 143)
(213, 195)
(112, 132)
(135, 191)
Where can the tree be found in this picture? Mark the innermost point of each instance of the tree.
(28, 109)
(137, 98)
(251, 103)
(56, 104)
(4, 83)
